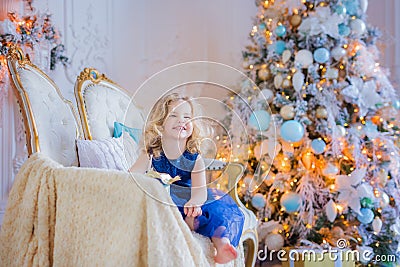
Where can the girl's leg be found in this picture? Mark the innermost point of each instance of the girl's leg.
(225, 251)
(190, 221)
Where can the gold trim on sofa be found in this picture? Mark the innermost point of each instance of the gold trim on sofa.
(249, 236)
(16, 59)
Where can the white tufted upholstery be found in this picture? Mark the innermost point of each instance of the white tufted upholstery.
(101, 102)
(50, 121)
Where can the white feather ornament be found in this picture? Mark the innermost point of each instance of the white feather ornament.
(331, 210)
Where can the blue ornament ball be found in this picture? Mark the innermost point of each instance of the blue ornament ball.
(280, 46)
(344, 30)
(366, 216)
(291, 202)
(396, 104)
(259, 120)
(262, 26)
(318, 146)
(280, 30)
(321, 55)
(292, 131)
(340, 9)
(258, 201)
(351, 7)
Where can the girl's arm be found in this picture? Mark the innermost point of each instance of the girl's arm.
(198, 190)
(141, 165)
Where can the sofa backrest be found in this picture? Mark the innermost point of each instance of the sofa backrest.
(51, 122)
(101, 102)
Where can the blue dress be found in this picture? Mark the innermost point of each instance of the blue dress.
(221, 217)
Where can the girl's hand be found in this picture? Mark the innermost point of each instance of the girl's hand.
(192, 210)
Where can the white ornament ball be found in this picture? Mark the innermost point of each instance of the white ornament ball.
(330, 169)
(264, 74)
(298, 81)
(287, 112)
(321, 113)
(338, 52)
(286, 83)
(358, 26)
(331, 211)
(267, 94)
(291, 201)
(274, 242)
(304, 57)
(384, 200)
(258, 201)
(286, 56)
(341, 130)
(278, 80)
(295, 20)
(377, 225)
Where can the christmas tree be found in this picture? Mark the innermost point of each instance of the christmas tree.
(321, 140)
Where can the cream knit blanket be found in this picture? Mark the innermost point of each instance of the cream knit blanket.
(58, 216)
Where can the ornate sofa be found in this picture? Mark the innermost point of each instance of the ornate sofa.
(94, 90)
(57, 229)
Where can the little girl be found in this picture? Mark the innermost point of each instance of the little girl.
(172, 138)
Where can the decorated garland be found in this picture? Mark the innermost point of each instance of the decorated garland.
(30, 32)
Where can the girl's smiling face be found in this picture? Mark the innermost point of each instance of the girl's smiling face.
(178, 123)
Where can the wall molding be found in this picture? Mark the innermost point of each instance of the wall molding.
(88, 41)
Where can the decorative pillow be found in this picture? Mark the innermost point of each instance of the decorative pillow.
(119, 128)
(109, 153)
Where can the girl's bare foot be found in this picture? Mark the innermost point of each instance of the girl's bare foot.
(225, 251)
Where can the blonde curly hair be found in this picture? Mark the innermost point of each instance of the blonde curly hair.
(158, 114)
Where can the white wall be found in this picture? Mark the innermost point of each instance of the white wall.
(384, 15)
(130, 41)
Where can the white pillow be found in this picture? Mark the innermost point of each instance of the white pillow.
(108, 153)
